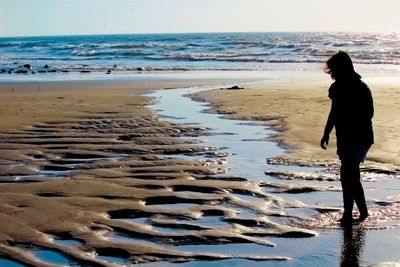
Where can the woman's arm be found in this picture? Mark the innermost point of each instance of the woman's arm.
(328, 127)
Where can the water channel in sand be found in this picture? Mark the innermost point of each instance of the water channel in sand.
(244, 150)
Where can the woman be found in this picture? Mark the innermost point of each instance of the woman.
(351, 114)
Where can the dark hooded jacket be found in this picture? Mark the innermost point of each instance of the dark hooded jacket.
(352, 111)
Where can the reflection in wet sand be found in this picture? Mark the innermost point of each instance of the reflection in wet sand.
(352, 245)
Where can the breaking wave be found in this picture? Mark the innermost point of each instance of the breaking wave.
(199, 51)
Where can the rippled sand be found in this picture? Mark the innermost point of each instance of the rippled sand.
(93, 166)
(89, 173)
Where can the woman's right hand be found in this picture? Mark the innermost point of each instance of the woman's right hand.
(324, 141)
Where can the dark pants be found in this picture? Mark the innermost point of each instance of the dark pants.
(351, 186)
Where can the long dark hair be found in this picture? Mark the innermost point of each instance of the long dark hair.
(340, 66)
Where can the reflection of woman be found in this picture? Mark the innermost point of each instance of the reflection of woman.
(353, 244)
(351, 114)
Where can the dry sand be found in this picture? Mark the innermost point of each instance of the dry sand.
(299, 111)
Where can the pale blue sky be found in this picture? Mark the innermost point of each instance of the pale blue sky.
(64, 17)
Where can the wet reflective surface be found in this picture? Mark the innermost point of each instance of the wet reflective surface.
(245, 146)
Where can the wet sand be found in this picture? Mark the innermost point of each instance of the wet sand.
(89, 163)
(80, 162)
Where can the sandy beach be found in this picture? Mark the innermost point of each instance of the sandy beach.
(88, 162)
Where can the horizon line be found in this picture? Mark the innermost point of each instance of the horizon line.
(167, 33)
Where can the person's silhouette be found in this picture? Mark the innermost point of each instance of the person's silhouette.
(351, 114)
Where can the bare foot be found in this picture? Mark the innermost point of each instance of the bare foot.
(346, 220)
(362, 217)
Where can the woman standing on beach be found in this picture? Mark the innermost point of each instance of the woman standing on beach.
(351, 114)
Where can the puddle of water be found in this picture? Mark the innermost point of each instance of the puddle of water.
(245, 153)
(10, 263)
(180, 206)
(143, 220)
(68, 242)
(129, 238)
(34, 178)
(322, 250)
(215, 221)
(53, 173)
(52, 257)
(247, 158)
(16, 164)
(113, 260)
(236, 249)
(172, 230)
(381, 246)
(316, 198)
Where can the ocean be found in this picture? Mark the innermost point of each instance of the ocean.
(197, 51)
